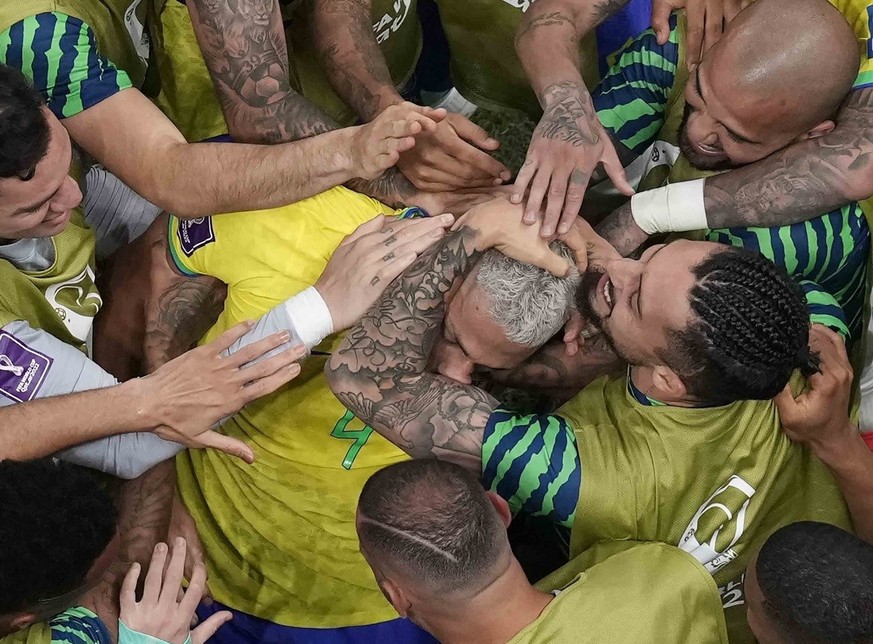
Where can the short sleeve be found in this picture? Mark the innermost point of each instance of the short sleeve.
(59, 54)
(78, 626)
(632, 98)
(187, 239)
(824, 309)
(532, 461)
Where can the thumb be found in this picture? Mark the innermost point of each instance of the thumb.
(785, 403)
(614, 169)
(660, 20)
(233, 446)
(208, 628)
(552, 262)
(474, 134)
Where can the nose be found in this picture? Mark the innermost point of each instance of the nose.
(68, 197)
(702, 128)
(623, 272)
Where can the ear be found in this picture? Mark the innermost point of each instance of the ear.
(396, 596)
(825, 127)
(22, 621)
(665, 381)
(501, 506)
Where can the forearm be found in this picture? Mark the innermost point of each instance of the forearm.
(243, 58)
(851, 464)
(802, 181)
(379, 371)
(547, 40)
(43, 427)
(620, 230)
(350, 56)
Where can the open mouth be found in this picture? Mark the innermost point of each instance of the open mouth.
(708, 150)
(607, 290)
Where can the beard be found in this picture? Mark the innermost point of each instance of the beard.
(691, 154)
(585, 296)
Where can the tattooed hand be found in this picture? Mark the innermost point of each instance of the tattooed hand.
(369, 259)
(453, 155)
(567, 145)
(620, 230)
(377, 146)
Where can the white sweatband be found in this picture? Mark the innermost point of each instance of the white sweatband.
(673, 208)
(309, 316)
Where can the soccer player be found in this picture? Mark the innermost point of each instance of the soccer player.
(812, 581)
(48, 305)
(684, 449)
(63, 541)
(740, 104)
(279, 536)
(91, 62)
(437, 544)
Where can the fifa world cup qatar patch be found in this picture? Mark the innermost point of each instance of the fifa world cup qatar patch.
(194, 234)
(22, 369)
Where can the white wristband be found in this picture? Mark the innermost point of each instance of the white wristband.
(673, 208)
(309, 316)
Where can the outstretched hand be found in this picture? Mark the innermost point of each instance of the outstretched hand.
(369, 259)
(567, 145)
(199, 388)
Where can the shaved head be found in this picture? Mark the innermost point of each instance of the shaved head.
(431, 524)
(777, 76)
(796, 58)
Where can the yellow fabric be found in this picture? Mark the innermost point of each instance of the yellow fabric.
(36, 634)
(859, 16)
(279, 535)
(714, 481)
(628, 592)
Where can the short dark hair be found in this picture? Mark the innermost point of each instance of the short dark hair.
(817, 582)
(749, 332)
(434, 520)
(55, 521)
(24, 131)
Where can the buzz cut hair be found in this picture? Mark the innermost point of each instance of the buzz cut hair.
(527, 302)
(432, 521)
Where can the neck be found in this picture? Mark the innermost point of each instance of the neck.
(642, 377)
(495, 615)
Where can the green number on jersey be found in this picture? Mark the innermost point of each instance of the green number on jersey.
(360, 436)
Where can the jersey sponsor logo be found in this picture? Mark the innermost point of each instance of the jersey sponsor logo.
(732, 593)
(138, 34)
(391, 22)
(195, 233)
(22, 369)
(718, 525)
(77, 302)
(524, 5)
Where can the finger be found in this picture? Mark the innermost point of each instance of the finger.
(471, 132)
(614, 169)
(268, 366)
(414, 246)
(226, 339)
(152, 586)
(403, 231)
(393, 267)
(712, 30)
(211, 439)
(661, 20)
(693, 32)
(521, 183)
(255, 350)
(731, 10)
(174, 574)
(209, 627)
(266, 386)
(549, 260)
(128, 588)
(573, 200)
(555, 201)
(376, 223)
(786, 404)
(194, 593)
(478, 163)
(444, 173)
(538, 188)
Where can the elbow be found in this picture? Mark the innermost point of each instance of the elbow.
(858, 180)
(331, 373)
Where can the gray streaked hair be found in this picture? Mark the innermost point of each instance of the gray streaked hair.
(529, 303)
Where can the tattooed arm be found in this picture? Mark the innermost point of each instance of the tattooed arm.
(793, 185)
(569, 141)
(379, 370)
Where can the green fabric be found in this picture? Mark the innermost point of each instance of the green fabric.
(628, 592)
(485, 67)
(714, 481)
(76, 625)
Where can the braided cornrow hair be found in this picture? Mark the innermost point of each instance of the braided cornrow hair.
(750, 332)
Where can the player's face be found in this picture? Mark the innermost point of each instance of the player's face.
(471, 338)
(721, 127)
(636, 303)
(760, 623)
(41, 206)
